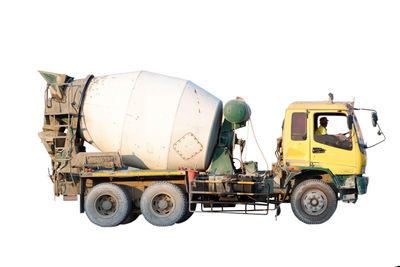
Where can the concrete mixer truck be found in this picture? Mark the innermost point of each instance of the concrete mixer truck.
(167, 150)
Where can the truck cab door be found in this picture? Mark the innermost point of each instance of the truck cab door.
(332, 151)
(296, 140)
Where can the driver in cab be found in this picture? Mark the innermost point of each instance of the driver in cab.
(323, 121)
(322, 128)
(337, 140)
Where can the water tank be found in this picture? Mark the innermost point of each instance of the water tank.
(153, 121)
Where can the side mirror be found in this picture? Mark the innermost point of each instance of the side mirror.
(374, 117)
(350, 122)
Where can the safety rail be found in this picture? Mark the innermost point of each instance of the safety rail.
(209, 205)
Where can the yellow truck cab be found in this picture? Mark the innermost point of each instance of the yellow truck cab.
(337, 156)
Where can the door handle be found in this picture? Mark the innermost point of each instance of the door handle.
(318, 150)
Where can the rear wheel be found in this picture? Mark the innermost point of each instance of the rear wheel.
(187, 214)
(163, 204)
(107, 204)
(130, 218)
(313, 201)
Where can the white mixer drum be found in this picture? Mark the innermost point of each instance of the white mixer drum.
(153, 121)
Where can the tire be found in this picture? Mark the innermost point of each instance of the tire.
(163, 204)
(107, 204)
(313, 201)
(130, 218)
(187, 214)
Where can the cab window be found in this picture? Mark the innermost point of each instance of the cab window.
(299, 126)
(331, 129)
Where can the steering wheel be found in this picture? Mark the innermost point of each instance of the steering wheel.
(347, 137)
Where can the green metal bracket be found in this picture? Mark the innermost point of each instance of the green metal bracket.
(222, 162)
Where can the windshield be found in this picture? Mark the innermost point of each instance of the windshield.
(360, 138)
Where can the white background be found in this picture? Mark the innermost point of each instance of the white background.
(269, 52)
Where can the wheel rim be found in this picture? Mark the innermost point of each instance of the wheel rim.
(314, 202)
(106, 205)
(162, 204)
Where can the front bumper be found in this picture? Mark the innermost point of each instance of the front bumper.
(362, 184)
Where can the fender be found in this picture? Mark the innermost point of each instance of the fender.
(296, 171)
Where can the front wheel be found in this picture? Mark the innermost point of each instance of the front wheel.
(313, 201)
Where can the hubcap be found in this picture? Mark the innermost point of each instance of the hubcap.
(106, 205)
(314, 202)
(162, 204)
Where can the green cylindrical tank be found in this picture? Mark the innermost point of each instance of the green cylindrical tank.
(236, 111)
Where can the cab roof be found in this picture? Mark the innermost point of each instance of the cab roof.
(321, 105)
